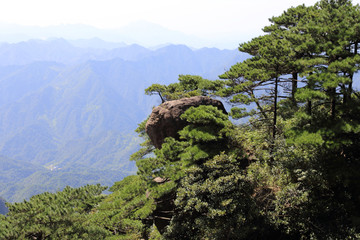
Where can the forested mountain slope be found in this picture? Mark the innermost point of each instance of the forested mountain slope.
(290, 171)
(74, 110)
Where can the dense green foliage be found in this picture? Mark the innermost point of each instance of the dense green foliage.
(188, 86)
(61, 215)
(301, 138)
(289, 172)
(214, 202)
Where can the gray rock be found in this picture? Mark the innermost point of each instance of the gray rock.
(165, 119)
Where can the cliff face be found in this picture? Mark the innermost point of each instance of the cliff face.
(165, 122)
(165, 119)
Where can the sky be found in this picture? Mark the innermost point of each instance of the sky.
(203, 18)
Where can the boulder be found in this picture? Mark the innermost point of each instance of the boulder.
(165, 119)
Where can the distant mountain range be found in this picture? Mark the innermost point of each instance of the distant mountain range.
(68, 110)
(141, 32)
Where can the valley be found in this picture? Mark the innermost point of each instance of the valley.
(77, 108)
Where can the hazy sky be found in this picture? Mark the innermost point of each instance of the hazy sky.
(204, 18)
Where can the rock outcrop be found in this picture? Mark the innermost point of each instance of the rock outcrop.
(165, 119)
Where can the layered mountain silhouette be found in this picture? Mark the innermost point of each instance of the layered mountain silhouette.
(140, 32)
(68, 114)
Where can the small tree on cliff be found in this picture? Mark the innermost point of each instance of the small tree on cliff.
(188, 86)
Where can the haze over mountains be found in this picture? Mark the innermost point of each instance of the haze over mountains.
(140, 32)
(69, 108)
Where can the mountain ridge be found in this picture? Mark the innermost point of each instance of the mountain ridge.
(78, 119)
(141, 32)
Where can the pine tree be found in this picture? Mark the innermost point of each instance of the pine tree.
(214, 201)
(257, 80)
(61, 215)
(188, 86)
(126, 211)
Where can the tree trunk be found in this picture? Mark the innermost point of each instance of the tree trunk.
(352, 75)
(294, 85)
(251, 93)
(309, 103)
(309, 106)
(275, 106)
(162, 99)
(333, 102)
